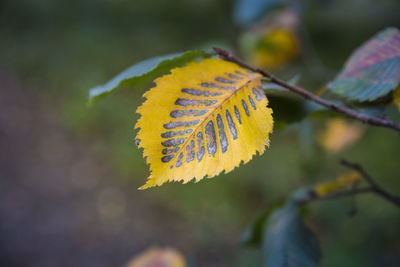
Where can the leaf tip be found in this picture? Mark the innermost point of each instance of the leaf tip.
(147, 185)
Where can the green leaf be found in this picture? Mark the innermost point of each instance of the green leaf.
(249, 11)
(289, 108)
(287, 240)
(372, 71)
(253, 235)
(270, 87)
(375, 108)
(144, 71)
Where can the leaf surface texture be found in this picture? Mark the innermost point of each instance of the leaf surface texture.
(202, 119)
(373, 70)
(288, 242)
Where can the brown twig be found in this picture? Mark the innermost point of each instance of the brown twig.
(375, 188)
(306, 196)
(310, 96)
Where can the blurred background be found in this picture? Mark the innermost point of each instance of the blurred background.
(69, 174)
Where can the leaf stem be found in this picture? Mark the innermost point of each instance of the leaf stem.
(310, 96)
(375, 188)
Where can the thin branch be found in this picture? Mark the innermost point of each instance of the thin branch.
(310, 96)
(373, 185)
(372, 188)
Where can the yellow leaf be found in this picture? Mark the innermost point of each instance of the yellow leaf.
(202, 119)
(339, 134)
(277, 47)
(396, 97)
(157, 257)
(350, 178)
(344, 181)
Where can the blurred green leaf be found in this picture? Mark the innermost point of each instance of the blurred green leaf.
(289, 108)
(374, 110)
(254, 233)
(247, 12)
(287, 240)
(373, 70)
(268, 86)
(144, 71)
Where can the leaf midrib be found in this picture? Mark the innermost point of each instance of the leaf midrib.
(211, 113)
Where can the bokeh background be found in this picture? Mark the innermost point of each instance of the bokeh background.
(69, 174)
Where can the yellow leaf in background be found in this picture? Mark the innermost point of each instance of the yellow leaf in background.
(396, 97)
(277, 47)
(344, 181)
(339, 134)
(157, 257)
(350, 178)
(202, 119)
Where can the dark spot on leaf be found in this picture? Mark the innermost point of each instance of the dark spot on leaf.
(198, 92)
(175, 124)
(259, 95)
(167, 158)
(194, 102)
(179, 160)
(176, 133)
(201, 151)
(246, 109)
(252, 103)
(167, 151)
(190, 151)
(237, 114)
(233, 76)
(231, 125)
(223, 80)
(222, 135)
(211, 138)
(213, 85)
(173, 142)
(209, 85)
(240, 73)
(188, 113)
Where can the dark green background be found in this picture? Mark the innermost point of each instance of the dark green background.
(68, 173)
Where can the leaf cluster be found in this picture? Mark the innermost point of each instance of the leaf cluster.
(206, 115)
